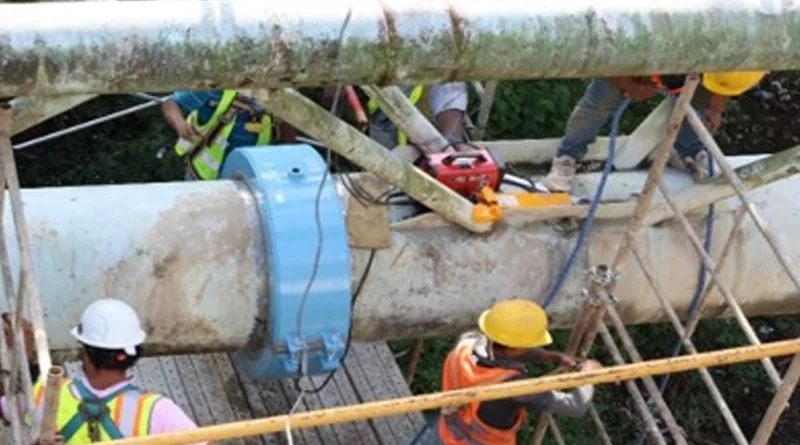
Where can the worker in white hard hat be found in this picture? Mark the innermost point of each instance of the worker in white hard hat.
(104, 405)
(511, 335)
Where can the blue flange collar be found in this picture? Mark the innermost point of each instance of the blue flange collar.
(285, 182)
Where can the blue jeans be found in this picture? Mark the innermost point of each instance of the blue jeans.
(595, 108)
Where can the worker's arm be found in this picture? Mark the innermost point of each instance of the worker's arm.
(448, 103)
(573, 403)
(183, 102)
(713, 114)
(542, 355)
(174, 117)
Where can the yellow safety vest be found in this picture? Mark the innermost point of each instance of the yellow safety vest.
(414, 97)
(207, 160)
(129, 410)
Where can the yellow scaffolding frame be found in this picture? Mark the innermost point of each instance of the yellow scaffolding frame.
(385, 408)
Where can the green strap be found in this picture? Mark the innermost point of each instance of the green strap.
(228, 96)
(92, 402)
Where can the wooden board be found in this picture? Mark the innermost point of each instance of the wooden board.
(210, 389)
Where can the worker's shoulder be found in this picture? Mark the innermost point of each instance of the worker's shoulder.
(195, 98)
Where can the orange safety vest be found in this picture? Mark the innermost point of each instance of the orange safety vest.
(463, 427)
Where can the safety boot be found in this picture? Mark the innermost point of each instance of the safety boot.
(562, 174)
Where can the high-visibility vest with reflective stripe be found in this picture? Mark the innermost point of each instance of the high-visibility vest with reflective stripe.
(414, 97)
(131, 412)
(462, 426)
(207, 161)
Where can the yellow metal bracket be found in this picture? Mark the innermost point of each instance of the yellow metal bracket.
(490, 205)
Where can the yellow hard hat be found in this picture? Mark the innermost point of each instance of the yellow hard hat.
(732, 83)
(516, 323)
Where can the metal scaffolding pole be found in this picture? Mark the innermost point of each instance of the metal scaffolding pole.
(711, 146)
(716, 394)
(119, 47)
(641, 405)
(779, 403)
(741, 318)
(604, 280)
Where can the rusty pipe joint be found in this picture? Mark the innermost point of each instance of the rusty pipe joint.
(307, 306)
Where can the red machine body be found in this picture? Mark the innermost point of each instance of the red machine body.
(465, 172)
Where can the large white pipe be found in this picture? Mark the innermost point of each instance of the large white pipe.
(190, 258)
(113, 47)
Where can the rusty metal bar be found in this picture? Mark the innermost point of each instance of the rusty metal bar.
(691, 324)
(407, 117)
(585, 340)
(119, 47)
(581, 325)
(28, 290)
(559, 438)
(711, 146)
(638, 399)
(716, 394)
(741, 318)
(646, 197)
(340, 137)
(649, 383)
(779, 403)
(598, 423)
(52, 396)
(413, 359)
(459, 397)
(485, 108)
(17, 361)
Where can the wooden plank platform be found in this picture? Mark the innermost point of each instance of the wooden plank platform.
(211, 391)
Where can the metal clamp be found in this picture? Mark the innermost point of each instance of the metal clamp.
(284, 181)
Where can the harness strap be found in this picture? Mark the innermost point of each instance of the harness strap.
(94, 410)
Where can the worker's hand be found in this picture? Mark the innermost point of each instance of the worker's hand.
(590, 365)
(57, 440)
(713, 120)
(568, 362)
(186, 131)
(27, 329)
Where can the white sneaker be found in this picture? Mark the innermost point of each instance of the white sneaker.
(561, 176)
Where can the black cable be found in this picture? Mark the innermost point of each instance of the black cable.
(357, 292)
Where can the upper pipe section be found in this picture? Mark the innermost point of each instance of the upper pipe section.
(119, 47)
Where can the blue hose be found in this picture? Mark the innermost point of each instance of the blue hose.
(587, 224)
(694, 306)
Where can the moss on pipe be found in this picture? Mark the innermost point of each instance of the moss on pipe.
(118, 47)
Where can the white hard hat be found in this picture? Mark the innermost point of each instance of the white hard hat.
(110, 324)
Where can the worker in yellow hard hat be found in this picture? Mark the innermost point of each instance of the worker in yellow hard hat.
(511, 334)
(604, 95)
